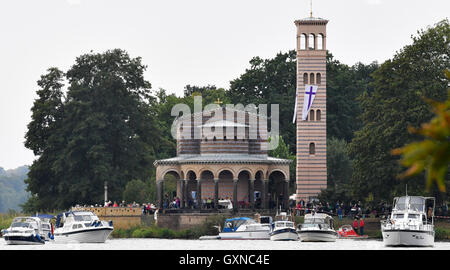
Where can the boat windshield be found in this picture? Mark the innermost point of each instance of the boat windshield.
(320, 226)
(413, 216)
(314, 221)
(82, 217)
(416, 203)
(20, 225)
(401, 203)
(283, 224)
(399, 216)
(233, 224)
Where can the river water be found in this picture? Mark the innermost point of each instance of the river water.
(176, 244)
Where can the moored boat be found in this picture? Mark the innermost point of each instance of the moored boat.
(347, 232)
(244, 228)
(284, 228)
(81, 227)
(24, 231)
(411, 222)
(317, 227)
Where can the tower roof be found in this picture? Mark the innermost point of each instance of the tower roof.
(311, 20)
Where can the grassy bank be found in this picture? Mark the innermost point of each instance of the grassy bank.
(6, 219)
(207, 228)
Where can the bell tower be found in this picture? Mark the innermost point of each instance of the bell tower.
(311, 170)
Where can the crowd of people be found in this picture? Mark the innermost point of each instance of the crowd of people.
(353, 209)
(340, 209)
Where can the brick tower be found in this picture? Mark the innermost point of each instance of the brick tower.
(311, 171)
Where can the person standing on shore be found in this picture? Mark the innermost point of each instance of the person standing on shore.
(355, 225)
(361, 226)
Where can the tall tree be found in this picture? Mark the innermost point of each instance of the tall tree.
(396, 103)
(107, 132)
(270, 81)
(344, 84)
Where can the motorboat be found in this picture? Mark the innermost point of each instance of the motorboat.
(347, 232)
(244, 228)
(284, 228)
(411, 222)
(46, 226)
(24, 231)
(81, 227)
(317, 227)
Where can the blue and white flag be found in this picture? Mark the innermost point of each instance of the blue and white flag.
(310, 93)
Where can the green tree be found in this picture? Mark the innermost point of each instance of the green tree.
(106, 133)
(339, 172)
(344, 85)
(433, 153)
(136, 191)
(395, 104)
(270, 81)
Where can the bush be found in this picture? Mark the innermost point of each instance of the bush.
(441, 234)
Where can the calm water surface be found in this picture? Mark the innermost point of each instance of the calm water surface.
(175, 244)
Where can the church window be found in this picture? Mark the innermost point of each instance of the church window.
(311, 115)
(318, 115)
(311, 44)
(320, 39)
(312, 149)
(318, 78)
(302, 42)
(311, 78)
(305, 78)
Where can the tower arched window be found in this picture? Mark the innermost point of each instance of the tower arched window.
(305, 78)
(311, 115)
(302, 42)
(320, 40)
(311, 78)
(311, 42)
(312, 149)
(318, 78)
(318, 115)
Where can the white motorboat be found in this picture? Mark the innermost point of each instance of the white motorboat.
(24, 231)
(46, 226)
(317, 227)
(81, 227)
(244, 228)
(411, 222)
(284, 228)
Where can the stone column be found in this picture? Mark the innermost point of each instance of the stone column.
(251, 193)
(159, 191)
(286, 194)
(216, 193)
(264, 198)
(182, 182)
(185, 193)
(235, 201)
(199, 194)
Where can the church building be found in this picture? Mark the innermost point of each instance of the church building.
(227, 160)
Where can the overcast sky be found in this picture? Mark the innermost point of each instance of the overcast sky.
(195, 42)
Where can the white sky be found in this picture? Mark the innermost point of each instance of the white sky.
(195, 42)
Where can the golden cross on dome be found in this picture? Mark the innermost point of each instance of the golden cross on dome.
(218, 101)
